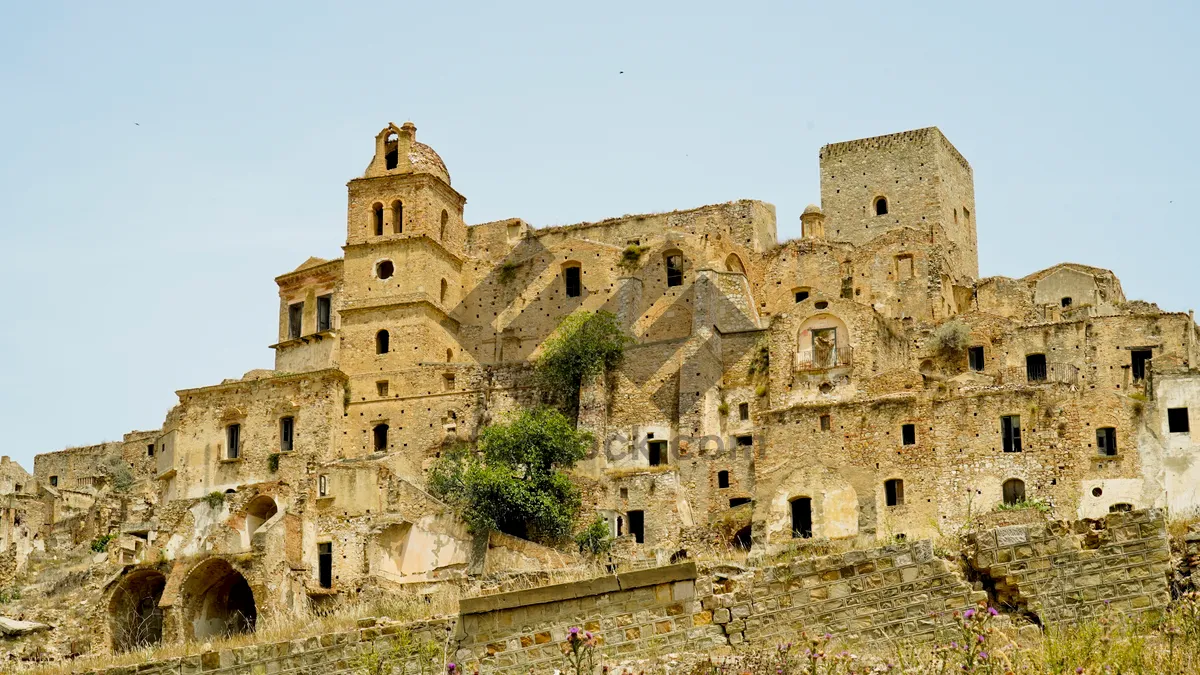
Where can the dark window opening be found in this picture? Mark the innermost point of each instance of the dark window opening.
(1106, 441)
(1177, 420)
(743, 411)
(908, 433)
(975, 358)
(381, 342)
(742, 540)
(1066, 302)
(377, 219)
(744, 441)
(722, 479)
(1035, 367)
(295, 317)
(620, 526)
(233, 436)
(826, 423)
(325, 564)
(1014, 491)
(445, 220)
(801, 296)
(287, 428)
(674, 270)
(738, 501)
(637, 526)
(802, 518)
(1010, 432)
(324, 313)
(385, 269)
(573, 281)
(397, 217)
(881, 206)
(391, 159)
(53, 481)
(381, 388)
(894, 492)
(448, 382)
(1120, 507)
(1097, 491)
(381, 437)
(149, 453)
(1139, 357)
(658, 453)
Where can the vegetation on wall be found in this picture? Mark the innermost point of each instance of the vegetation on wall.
(596, 538)
(273, 462)
(100, 544)
(584, 345)
(508, 272)
(632, 255)
(214, 499)
(515, 483)
(118, 473)
(952, 337)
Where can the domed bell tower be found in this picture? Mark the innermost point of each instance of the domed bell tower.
(403, 259)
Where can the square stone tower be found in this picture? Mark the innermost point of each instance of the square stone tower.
(916, 179)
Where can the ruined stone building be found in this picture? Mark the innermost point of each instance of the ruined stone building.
(861, 382)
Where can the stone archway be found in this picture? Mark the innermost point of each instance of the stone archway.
(134, 616)
(261, 509)
(217, 601)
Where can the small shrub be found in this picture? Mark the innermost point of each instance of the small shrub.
(100, 544)
(760, 390)
(632, 255)
(595, 539)
(118, 473)
(215, 499)
(723, 408)
(952, 337)
(273, 462)
(508, 272)
(760, 361)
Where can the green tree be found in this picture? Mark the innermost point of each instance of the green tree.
(516, 483)
(584, 344)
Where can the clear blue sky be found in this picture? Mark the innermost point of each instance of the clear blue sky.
(161, 163)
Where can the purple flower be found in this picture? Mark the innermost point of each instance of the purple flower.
(450, 667)
(992, 611)
(969, 613)
(983, 656)
(979, 638)
(1079, 670)
(574, 630)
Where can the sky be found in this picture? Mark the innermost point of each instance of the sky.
(162, 163)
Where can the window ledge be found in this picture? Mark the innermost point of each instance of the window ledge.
(327, 499)
(230, 460)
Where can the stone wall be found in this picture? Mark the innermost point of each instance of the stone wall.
(897, 592)
(1064, 572)
(634, 615)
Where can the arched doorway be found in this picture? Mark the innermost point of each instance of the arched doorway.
(217, 601)
(259, 511)
(134, 616)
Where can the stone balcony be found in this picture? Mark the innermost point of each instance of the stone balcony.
(823, 360)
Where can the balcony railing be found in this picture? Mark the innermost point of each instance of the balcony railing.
(1064, 373)
(824, 358)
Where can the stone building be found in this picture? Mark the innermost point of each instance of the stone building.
(861, 382)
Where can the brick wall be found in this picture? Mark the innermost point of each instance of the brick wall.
(895, 592)
(1064, 572)
(634, 615)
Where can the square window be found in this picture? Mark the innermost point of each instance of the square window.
(324, 312)
(801, 296)
(658, 453)
(908, 434)
(448, 382)
(1035, 367)
(975, 358)
(743, 411)
(1106, 441)
(674, 270)
(287, 428)
(745, 441)
(826, 423)
(1177, 420)
(322, 485)
(381, 388)
(150, 450)
(722, 479)
(53, 481)
(233, 438)
(894, 492)
(1138, 358)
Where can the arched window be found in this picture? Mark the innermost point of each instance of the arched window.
(397, 217)
(392, 157)
(384, 269)
(881, 206)
(674, 264)
(1066, 302)
(734, 264)
(449, 355)
(377, 218)
(894, 492)
(380, 433)
(445, 289)
(381, 342)
(573, 279)
(445, 220)
(1014, 491)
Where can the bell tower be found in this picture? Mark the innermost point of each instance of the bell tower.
(403, 259)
